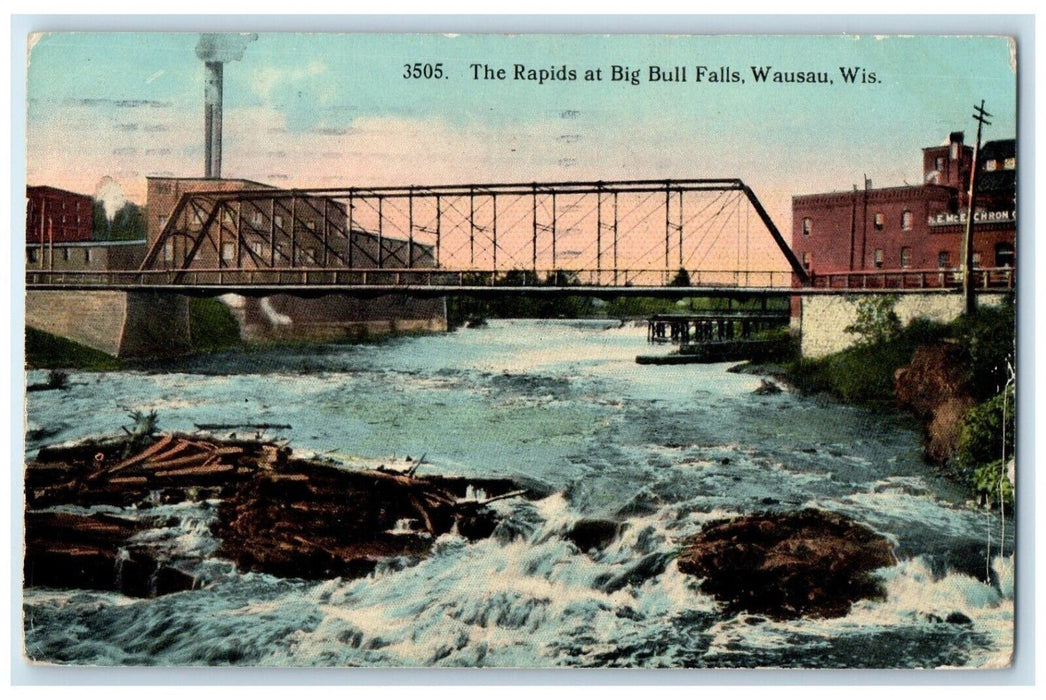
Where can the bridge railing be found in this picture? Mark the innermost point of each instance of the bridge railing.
(984, 278)
(987, 278)
(405, 277)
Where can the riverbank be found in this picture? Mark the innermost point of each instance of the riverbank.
(950, 377)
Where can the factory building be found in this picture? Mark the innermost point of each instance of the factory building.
(57, 216)
(914, 227)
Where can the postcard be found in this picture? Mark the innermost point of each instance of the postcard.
(520, 351)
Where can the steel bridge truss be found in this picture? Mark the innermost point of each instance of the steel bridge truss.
(614, 234)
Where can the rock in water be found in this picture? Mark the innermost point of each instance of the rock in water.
(766, 388)
(589, 534)
(788, 565)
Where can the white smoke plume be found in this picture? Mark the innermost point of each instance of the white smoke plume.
(110, 194)
(223, 47)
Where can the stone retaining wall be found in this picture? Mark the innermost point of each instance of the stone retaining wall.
(823, 319)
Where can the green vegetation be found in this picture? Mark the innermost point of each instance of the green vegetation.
(876, 322)
(863, 374)
(682, 278)
(464, 309)
(46, 351)
(212, 326)
(128, 224)
(986, 441)
(987, 338)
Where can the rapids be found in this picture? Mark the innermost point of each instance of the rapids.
(560, 405)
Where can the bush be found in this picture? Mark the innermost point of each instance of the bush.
(863, 373)
(46, 351)
(988, 337)
(876, 322)
(981, 437)
(212, 326)
(991, 480)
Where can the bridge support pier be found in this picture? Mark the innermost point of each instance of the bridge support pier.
(121, 324)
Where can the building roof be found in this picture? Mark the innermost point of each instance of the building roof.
(877, 193)
(90, 244)
(55, 190)
(999, 150)
(211, 179)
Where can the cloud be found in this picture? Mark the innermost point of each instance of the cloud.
(125, 104)
(304, 97)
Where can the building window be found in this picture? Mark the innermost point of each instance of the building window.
(943, 260)
(279, 221)
(65, 254)
(906, 258)
(310, 256)
(991, 165)
(163, 221)
(87, 255)
(906, 220)
(168, 252)
(806, 261)
(808, 225)
(257, 248)
(938, 164)
(228, 216)
(955, 150)
(31, 254)
(877, 221)
(256, 219)
(1009, 164)
(877, 257)
(1003, 255)
(228, 252)
(976, 259)
(311, 225)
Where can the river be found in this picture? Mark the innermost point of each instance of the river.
(561, 406)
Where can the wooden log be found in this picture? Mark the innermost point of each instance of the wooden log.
(160, 444)
(178, 448)
(129, 481)
(197, 459)
(208, 469)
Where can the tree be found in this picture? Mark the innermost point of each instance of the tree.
(682, 279)
(876, 321)
(128, 224)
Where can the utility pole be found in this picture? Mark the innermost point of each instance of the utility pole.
(969, 298)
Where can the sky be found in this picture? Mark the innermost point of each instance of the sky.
(335, 110)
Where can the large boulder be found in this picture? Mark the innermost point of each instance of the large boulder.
(788, 565)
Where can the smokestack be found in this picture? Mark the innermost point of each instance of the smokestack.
(212, 119)
(215, 50)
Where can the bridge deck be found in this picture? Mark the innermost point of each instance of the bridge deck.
(439, 282)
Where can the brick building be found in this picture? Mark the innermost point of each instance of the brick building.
(914, 227)
(85, 255)
(59, 216)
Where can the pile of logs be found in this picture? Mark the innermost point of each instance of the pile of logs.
(279, 514)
